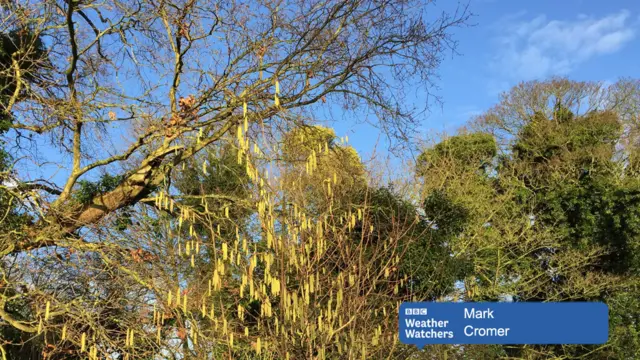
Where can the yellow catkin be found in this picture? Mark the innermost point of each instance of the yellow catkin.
(169, 298)
(83, 341)
(46, 311)
(184, 303)
(64, 332)
(216, 280)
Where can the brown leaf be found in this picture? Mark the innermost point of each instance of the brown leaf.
(182, 333)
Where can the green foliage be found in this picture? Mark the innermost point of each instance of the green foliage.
(558, 220)
(225, 184)
(87, 190)
(123, 220)
(624, 324)
(224, 174)
(26, 47)
(334, 164)
(597, 212)
(29, 51)
(570, 167)
(576, 145)
(562, 113)
(449, 217)
(300, 142)
(425, 257)
(475, 149)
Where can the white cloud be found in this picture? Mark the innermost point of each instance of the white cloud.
(536, 48)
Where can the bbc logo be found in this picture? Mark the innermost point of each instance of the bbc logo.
(415, 311)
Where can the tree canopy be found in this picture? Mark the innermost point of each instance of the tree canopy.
(157, 200)
(168, 189)
(553, 216)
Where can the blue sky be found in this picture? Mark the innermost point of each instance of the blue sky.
(511, 41)
(515, 41)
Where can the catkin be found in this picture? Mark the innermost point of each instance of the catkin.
(184, 303)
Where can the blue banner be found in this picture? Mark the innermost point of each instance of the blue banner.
(424, 323)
